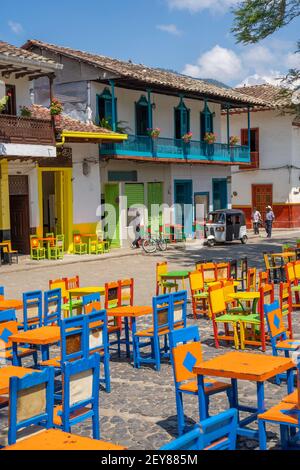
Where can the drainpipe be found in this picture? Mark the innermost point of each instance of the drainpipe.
(249, 134)
(113, 105)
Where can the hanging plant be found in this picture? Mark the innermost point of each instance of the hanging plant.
(154, 133)
(56, 107)
(210, 138)
(234, 140)
(187, 137)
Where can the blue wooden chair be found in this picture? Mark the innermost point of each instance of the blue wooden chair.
(278, 334)
(169, 313)
(91, 303)
(215, 433)
(8, 315)
(31, 402)
(96, 326)
(186, 353)
(80, 398)
(8, 329)
(32, 310)
(52, 307)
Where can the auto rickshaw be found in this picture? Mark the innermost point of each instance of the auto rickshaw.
(225, 226)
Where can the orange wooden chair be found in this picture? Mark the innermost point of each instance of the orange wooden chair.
(285, 301)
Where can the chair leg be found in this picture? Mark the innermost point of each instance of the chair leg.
(180, 413)
(136, 346)
(262, 434)
(107, 372)
(242, 335)
(156, 352)
(229, 394)
(35, 359)
(119, 343)
(235, 336)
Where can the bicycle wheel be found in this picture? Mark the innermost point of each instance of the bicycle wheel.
(162, 244)
(149, 245)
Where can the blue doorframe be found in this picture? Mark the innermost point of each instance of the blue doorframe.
(220, 199)
(183, 195)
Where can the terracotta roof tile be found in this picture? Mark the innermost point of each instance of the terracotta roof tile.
(12, 52)
(275, 96)
(150, 76)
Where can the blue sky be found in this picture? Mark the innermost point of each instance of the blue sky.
(190, 36)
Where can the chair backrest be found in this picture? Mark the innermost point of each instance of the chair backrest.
(72, 282)
(162, 311)
(275, 322)
(285, 298)
(266, 296)
(196, 281)
(91, 303)
(161, 268)
(263, 279)
(50, 235)
(112, 295)
(34, 242)
(60, 284)
(7, 329)
(186, 352)
(216, 433)
(60, 240)
(96, 325)
(209, 272)
(1, 292)
(179, 309)
(266, 260)
(8, 315)
(31, 401)
(290, 272)
(126, 291)
(233, 269)
(76, 238)
(52, 307)
(297, 270)
(80, 390)
(251, 280)
(228, 288)
(216, 299)
(32, 309)
(222, 271)
(73, 338)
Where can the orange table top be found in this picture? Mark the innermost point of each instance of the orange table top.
(47, 239)
(244, 366)
(11, 371)
(55, 439)
(11, 303)
(43, 335)
(130, 311)
(88, 235)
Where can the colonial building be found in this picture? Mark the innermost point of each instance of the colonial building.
(166, 169)
(273, 176)
(42, 184)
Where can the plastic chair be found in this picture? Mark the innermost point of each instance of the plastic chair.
(186, 352)
(161, 284)
(80, 248)
(31, 402)
(32, 310)
(198, 294)
(7, 329)
(37, 252)
(52, 307)
(216, 433)
(80, 398)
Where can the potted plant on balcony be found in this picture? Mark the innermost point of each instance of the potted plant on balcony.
(25, 111)
(210, 138)
(186, 139)
(154, 135)
(56, 109)
(233, 141)
(3, 103)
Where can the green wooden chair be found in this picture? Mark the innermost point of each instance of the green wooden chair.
(80, 248)
(57, 250)
(37, 252)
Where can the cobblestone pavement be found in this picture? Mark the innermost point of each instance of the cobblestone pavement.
(140, 411)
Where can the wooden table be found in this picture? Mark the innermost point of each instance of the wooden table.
(236, 366)
(55, 439)
(44, 337)
(132, 313)
(246, 297)
(82, 291)
(8, 304)
(89, 236)
(11, 371)
(176, 276)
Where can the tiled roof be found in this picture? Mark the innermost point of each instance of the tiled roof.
(275, 96)
(150, 76)
(14, 52)
(67, 123)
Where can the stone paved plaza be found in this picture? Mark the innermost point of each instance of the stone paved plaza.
(140, 411)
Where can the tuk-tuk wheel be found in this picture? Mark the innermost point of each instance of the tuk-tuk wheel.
(211, 243)
(244, 239)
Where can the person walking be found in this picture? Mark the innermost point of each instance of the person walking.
(136, 223)
(270, 217)
(256, 219)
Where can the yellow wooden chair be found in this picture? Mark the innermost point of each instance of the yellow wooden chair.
(161, 284)
(198, 294)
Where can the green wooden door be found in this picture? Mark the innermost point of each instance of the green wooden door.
(135, 199)
(112, 225)
(155, 197)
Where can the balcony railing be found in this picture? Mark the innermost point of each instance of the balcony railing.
(26, 130)
(165, 148)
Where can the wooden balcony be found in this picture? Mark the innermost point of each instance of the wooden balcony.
(26, 130)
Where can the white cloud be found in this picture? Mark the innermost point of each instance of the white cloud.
(219, 63)
(197, 5)
(16, 28)
(169, 28)
(273, 78)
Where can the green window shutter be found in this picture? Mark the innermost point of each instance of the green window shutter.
(155, 196)
(135, 194)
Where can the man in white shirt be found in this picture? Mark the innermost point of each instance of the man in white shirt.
(270, 217)
(256, 218)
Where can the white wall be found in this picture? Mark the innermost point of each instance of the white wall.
(163, 114)
(86, 189)
(23, 86)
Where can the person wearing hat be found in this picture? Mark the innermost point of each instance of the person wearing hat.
(270, 217)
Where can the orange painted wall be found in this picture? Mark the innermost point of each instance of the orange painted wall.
(287, 215)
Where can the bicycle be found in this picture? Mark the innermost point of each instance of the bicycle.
(151, 245)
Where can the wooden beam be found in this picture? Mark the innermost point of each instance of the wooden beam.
(7, 66)
(13, 70)
(39, 75)
(28, 72)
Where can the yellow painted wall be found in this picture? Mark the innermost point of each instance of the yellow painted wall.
(4, 196)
